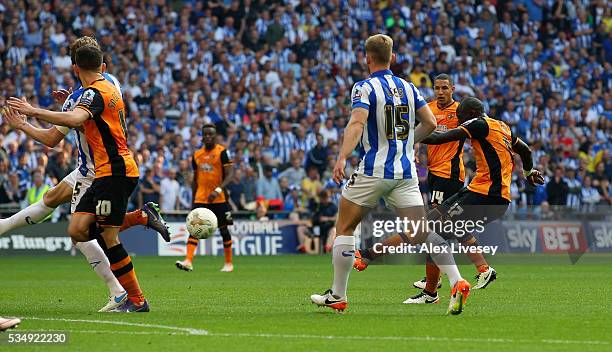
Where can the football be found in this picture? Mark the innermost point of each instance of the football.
(201, 223)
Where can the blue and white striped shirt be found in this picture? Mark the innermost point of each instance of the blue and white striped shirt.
(85, 163)
(388, 138)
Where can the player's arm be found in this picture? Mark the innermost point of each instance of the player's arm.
(455, 134)
(352, 135)
(228, 168)
(353, 132)
(194, 183)
(426, 118)
(228, 171)
(47, 136)
(74, 118)
(427, 123)
(475, 128)
(532, 175)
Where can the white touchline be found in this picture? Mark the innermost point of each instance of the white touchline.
(411, 338)
(189, 331)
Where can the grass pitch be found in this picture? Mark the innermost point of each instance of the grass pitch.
(264, 305)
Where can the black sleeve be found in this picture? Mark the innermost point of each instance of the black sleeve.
(225, 157)
(193, 163)
(513, 137)
(476, 128)
(92, 102)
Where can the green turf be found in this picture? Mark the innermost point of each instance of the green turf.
(265, 305)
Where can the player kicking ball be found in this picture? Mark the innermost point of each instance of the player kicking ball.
(384, 108)
(487, 197)
(445, 178)
(73, 186)
(101, 210)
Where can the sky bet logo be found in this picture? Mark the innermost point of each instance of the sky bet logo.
(602, 235)
(563, 238)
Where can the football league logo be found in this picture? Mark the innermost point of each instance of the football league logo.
(87, 97)
(357, 95)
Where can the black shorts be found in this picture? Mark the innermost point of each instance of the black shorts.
(107, 199)
(222, 211)
(467, 206)
(442, 188)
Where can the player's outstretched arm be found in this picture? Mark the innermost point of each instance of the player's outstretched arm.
(532, 175)
(427, 126)
(47, 136)
(455, 134)
(352, 135)
(72, 118)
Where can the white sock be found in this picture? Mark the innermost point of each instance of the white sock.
(30, 215)
(343, 256)
(444, 261)
(97, 259)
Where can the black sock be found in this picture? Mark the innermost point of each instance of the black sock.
(430, 294)
(225, 234)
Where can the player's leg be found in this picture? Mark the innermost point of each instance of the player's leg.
(40, 210)
(91, 249)
(123, 269)
(359, 195)
(444, 260)
(228, 266)
(343, 254)
(9, 323)
(191, 247)
(450, 188)
(149, 216)
(485, 209)
(408, 204)
(432, 273)
(224, 217)
(111, 196)
(429, 285)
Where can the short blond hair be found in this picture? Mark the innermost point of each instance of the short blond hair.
(379, 48)
(81, 42)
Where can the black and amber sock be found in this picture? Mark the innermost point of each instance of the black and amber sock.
(192, 245)
(122, 268)
(227, 244)
(227, 250)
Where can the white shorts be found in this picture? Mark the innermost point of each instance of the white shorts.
(79, 185)
(366, 191)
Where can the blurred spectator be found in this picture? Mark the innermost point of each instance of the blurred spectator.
(149, 189)
(574, 188)
(8, 192)
(557, 189)
(324, 217)
(590, 195)
(311, 185)
(169, 191)
(186, 193)
(328, 131)
(38, 188)
(59, 167)
(295, 173)
(236, 191)
(293, 200)
(317, 156)
(267, 186)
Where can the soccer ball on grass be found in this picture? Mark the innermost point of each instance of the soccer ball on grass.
(201, 223)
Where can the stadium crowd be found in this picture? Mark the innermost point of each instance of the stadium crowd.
(275, 78)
